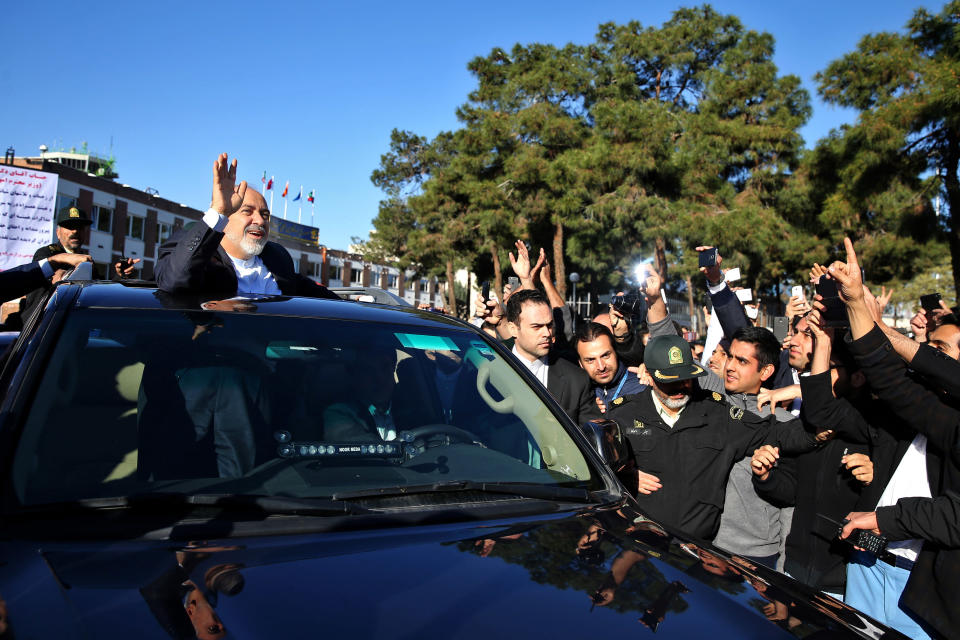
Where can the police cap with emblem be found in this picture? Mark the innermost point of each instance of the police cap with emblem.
(669, 359)
(73, 218)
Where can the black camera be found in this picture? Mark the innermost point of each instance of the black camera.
(631, 304)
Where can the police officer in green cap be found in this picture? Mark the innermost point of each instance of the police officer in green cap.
(685, 440)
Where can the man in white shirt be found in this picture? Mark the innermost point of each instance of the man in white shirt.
(228, 253)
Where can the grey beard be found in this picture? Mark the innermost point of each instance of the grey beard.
(670, 403)
(248, 245)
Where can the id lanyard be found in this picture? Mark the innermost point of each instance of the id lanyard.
(616, 393)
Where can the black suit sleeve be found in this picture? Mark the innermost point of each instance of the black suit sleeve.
(780, 487)
(822, 410)
(939, 368)
(729, 311)
(183, 258)
(920, 408)
(19, 281)
(934, 519)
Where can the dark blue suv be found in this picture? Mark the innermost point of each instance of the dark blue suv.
(296, 468)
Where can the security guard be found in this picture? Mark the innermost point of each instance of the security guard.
(71, 224)
(685, 440)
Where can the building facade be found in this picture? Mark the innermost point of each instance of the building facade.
(128, 222)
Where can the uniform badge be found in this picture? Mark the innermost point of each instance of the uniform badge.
(74, 212)
(637, 424)
(736, 412)
(717, 397)
(675, 356)
(618, 401)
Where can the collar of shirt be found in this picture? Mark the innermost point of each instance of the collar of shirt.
(537, 367)
(670, 420)
(253, 276)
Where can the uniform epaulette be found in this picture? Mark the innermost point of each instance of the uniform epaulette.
(622, 400)
(716, 397)
(52, 247)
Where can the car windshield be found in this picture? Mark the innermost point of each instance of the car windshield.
(135, 402)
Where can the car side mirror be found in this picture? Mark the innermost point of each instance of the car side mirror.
(607, 439)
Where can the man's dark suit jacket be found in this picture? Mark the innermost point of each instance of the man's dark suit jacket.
(19, 281)
(570, 387)
(192, 261)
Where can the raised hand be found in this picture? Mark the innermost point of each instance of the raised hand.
(848, 277)
(521, 263)
(652, 283)
(884, 298)
(918, 324)
(714, 274)
(227, 194)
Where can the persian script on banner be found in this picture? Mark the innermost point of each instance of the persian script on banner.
(27, 202)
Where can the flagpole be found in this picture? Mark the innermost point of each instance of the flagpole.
(300, 204)
(312, 205)
(271, 194)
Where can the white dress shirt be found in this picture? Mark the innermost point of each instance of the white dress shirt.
(537, 367)
(252, 275)
(908, 481)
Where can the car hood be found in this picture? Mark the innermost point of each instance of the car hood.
(558, 575)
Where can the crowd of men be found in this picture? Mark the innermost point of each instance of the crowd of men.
(788, 453)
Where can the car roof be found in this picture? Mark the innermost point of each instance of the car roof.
(137, 295)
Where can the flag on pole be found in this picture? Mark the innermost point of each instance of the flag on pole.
(310, 198)
(270, 184)
(264, 178)
(299, 195)
(286, 188)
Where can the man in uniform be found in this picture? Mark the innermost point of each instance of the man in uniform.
(686, 440)
(71, 229)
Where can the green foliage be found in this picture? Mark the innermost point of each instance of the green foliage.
(876, 179)
(652, 140)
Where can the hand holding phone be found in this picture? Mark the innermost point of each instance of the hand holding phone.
(931, 301)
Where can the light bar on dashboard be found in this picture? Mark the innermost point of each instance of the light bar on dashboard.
(289, 449)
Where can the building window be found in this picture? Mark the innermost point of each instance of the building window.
(135, 227)
(163, 232)
(424, 286)
(64, 202)
(356, 276)
(392, 280)
(335, 272)
(102, 218)
(315, 269)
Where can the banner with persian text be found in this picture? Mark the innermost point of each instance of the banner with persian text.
(27, 202)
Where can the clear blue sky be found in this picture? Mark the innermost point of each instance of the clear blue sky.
(309, 91)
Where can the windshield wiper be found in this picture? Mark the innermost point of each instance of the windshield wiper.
(167, 502)
(522, 489)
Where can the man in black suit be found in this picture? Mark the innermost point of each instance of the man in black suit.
(228, 252)
(20, 280)
(530, 323)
